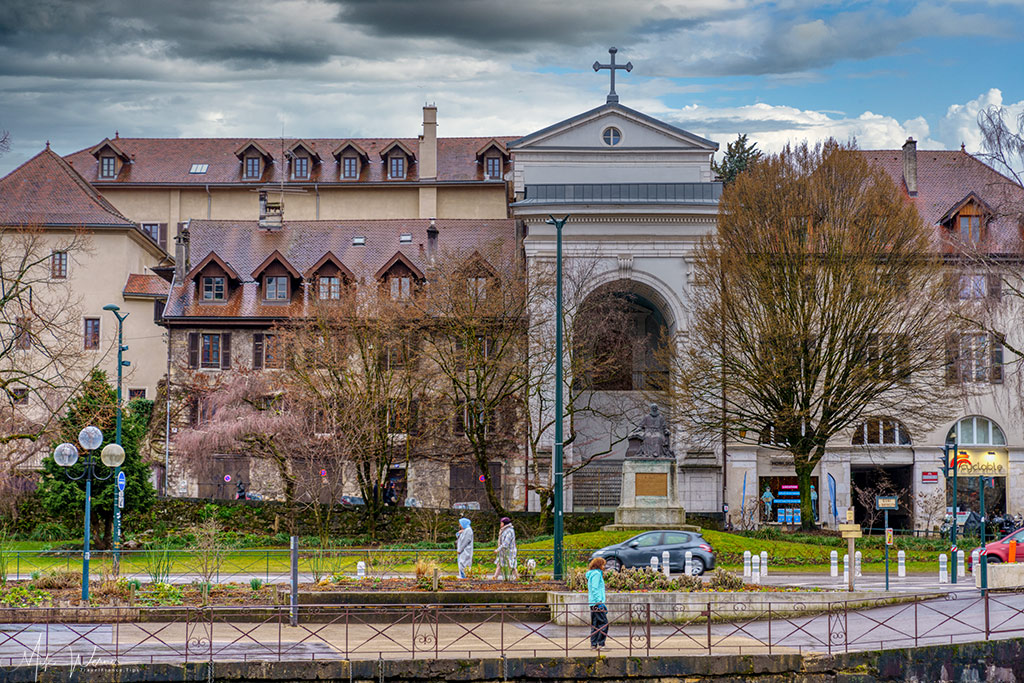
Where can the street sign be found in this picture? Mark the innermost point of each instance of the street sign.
(121, 481)
(849, 527)
(887, 502)
(120, 500)
(849, 514)
(929, 477)
(888, 536)
(852, 534)
(227, 478)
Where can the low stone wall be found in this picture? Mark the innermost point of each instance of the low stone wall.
(990, 661)
(1002, 575)
(667, 608)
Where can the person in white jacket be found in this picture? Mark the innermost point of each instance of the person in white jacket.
(464, 546)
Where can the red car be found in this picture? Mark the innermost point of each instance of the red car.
(997, 550)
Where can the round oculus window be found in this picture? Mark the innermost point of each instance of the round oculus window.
(611, 136)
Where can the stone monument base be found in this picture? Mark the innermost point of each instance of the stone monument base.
(649, 497)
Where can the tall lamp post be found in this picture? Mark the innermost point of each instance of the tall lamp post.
(559, 481)
(951, 443)
(66, 455)
(121, 364)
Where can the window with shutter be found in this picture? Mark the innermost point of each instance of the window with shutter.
(995, 286)
(257, 351)
(225, 353)
(210, 351)
(996, 350)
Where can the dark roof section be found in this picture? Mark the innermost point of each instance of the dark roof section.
(212, 257)
(610, 106)
(46, 190)
(166, 161)
(244, 246)
(623, 193)
(944, 181)
(147, 286)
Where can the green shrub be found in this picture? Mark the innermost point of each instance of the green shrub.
(722, 580)
(24, 596)
(255, 584)
(157, 562)
(633, 580)
(161, 594)
(49, 531)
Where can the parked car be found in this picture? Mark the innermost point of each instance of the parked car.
(998, 551)
(351, 501)
(638, 551)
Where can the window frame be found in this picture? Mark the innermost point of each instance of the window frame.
(279, 285)
(399, 161)
(58, 265)
(881, 425)
(401, 287)
(209, 280)
(96, 335)
(345, 162)
(154, 234)
(331, 284)
(476, 287)
(495, 173)
(973, 286)
(23, 339)
(108, 166)
(210, 358)
(20, 396)
(971, 224)
(993, 429)
(303, 162)
(249, 167)
(611, 136)
(136, 390)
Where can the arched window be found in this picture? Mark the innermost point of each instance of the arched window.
(976, 431)
(881, 432)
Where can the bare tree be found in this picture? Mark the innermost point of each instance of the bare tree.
(352, 367)
(881, 485)
(42, 359)
(477, 308)
(244, 412)
(597, 347)
(931, 508)
(817, 303)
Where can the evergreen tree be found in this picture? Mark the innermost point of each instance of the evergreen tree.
(96, 404)
(738, 156)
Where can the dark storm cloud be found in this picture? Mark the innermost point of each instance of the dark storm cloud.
(528, 23)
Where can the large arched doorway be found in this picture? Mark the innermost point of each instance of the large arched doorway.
(619, 336)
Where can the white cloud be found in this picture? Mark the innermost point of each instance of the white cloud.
(960, 124)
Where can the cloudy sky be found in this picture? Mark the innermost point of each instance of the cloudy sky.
(74, 71)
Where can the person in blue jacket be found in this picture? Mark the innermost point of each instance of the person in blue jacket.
(598, 610)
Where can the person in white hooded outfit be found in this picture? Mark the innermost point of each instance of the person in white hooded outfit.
(464, 546)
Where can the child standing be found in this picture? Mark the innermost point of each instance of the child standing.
(598, 610)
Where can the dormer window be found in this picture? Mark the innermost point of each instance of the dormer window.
(401, 287)
(300, 167)
(275, 288)
(396, 166)
(108, 167)
(252, 167)
(494, 167)
(350, 167)
(214, 288)
(329, 287)
(970, 229)
(477, 288)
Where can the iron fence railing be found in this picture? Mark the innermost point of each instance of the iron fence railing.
(124, 635)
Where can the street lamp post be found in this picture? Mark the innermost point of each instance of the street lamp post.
(952, 529)
(66, 455)
(559, 482)
(121, 364)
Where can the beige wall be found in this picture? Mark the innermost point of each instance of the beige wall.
(146, 205)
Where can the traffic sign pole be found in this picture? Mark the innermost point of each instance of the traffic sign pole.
(886, 550)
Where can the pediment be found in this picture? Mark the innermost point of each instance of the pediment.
(638, 131)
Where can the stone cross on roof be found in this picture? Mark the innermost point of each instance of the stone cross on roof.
(628, 66)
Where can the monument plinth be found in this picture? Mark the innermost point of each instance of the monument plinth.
(649, 481)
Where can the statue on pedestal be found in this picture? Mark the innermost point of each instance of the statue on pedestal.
(653, 435)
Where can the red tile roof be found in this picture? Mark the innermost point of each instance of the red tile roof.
(168, 160)
(45, 190)
(244, 246)
(945, 178)
(146, 285)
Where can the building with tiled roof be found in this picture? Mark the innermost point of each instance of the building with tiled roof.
(160, 182)
(92, 256)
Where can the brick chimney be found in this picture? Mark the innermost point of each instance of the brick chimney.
(432, 239)
(910, 166)
(428, 143)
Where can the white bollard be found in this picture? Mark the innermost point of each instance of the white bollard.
(901, 565)
(361, 569)
(654, 563)
(846, 569)
(688, 564)
(975, 562)
(943, 574)
(856, 563)
(665, 565)
(961, 564)
(833, 564)
(746, 564)
(764, 563)
(755, 569)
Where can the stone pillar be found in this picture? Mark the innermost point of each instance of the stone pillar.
(930, 494)
(1015, 482)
